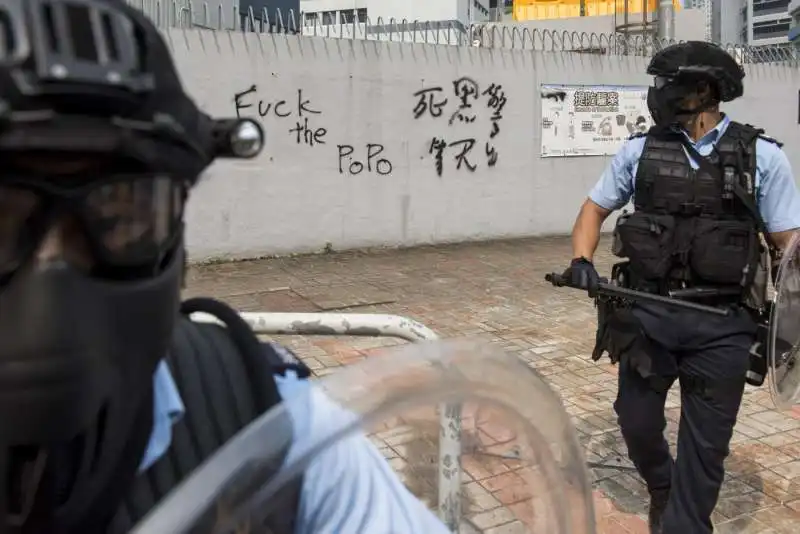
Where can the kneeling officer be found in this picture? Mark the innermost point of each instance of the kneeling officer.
(705, 189)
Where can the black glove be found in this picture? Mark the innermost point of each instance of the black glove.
(581, 274)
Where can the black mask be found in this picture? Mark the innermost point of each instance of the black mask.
(77, 358)
(664, 104)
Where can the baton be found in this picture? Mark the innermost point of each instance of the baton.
(610, 290)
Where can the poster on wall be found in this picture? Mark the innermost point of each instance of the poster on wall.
(591, 120)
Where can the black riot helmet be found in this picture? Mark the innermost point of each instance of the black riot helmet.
(99, 146)
(686, 69)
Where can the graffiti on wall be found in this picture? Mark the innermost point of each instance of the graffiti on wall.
(371, 162)
(305, 128)
(463, 107)
(300, 113)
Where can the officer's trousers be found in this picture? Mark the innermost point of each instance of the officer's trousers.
(710, 356)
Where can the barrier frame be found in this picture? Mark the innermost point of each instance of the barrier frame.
(378, 325)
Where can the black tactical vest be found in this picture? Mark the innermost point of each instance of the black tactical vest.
(224, 386)
(693, 227)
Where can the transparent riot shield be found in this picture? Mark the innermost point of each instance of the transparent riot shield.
(784, 331)
(522, 466)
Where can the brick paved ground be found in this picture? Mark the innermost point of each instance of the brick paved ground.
(495, 291)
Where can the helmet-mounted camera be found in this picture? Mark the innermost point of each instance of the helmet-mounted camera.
(73, 70)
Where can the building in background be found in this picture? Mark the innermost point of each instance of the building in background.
(753, 22)
(442, 21)
(217, 14)
(464, 12)
(729, 23)
(629, 18)
(767, 22)
(526, 10)
(274, 13)
(794, 31)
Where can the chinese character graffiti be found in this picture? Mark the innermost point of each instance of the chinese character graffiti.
(466, 91)
(429, 101)
(497, 101)
(468, 100)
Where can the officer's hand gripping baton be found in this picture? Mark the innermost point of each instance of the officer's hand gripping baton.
(610, 290)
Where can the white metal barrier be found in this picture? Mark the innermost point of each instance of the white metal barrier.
(378, 325)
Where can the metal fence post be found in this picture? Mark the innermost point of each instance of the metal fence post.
(379, 325)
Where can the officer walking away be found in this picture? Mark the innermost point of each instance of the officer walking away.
(111, 396)
(705, 190)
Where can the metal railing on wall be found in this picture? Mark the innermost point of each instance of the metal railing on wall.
(378, 325)
(226, 16)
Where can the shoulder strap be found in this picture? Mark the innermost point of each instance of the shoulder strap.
(744, 135)
(747, 199)
(769, 139)
(225, 376)
(282, 359)
(246, 342)
(752, 132)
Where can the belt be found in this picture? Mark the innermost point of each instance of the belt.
(712, 296)
(679, 289)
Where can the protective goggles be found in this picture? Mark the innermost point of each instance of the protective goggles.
(660, 82)
(686, 80)
(128, 221)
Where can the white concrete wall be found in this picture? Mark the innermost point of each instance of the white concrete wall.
(296, 198)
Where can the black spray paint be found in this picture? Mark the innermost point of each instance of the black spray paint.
(467, 94)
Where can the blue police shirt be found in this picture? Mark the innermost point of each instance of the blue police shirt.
(777, 193)
(349, 487)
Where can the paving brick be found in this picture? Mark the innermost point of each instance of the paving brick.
(495, 292)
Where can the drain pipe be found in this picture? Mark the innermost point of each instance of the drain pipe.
(666, 20)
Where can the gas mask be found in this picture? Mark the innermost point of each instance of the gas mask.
(79, 343)
(665, 100)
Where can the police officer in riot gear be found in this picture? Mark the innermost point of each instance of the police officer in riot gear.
(705, 191)
(110, 394)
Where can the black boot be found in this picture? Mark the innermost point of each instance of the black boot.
(658, 502)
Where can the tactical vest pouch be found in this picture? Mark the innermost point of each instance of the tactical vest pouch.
(756, 296)
(647, 240)
(724, 252)
(605, 310)
(616, 244)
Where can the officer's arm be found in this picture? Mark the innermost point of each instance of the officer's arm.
(612, 191)
(586, 231)
(778, 196)
(349, 486)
